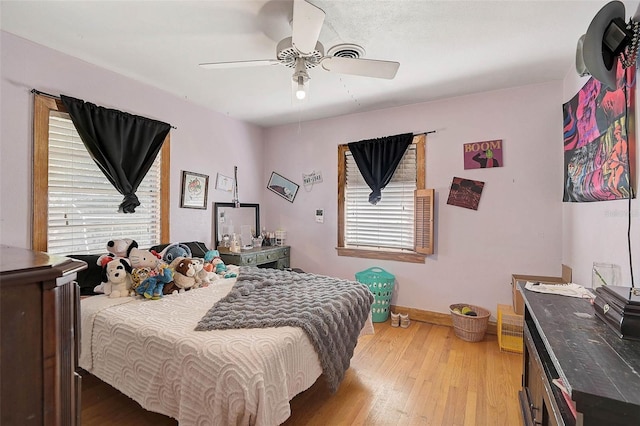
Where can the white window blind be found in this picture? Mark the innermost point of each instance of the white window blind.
(83, 205)
(390, 223)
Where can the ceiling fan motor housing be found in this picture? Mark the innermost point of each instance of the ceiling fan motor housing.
(287, 54)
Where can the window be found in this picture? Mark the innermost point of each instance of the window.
(75, 206)
(400, 226)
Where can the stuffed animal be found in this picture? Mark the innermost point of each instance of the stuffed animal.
(202, 276)
(122, 247)
(174, 251)
(144, 264)
(152, 287)
(209, 255)
(117, 248)
(116, 278)
(183, 276)
(221, 269)
(138, 275)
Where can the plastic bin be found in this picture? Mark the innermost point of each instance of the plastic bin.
(380, 283)
(510, 329)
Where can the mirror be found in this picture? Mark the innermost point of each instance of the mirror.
(230, 220)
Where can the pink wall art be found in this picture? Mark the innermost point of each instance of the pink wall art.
(483, 155)
(599, 140)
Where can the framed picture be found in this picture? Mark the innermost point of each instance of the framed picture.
(283, 187)
(483, 155)
(194, 190)
(224, 183)
(465, 193)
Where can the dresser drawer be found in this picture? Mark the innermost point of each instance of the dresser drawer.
(249, 259)
(269, 256)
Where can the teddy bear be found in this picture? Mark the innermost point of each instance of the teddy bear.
(116, 278)
(152, 287)
(183, 276)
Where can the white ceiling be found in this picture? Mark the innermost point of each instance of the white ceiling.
(445, 48)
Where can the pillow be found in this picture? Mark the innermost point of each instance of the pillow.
(90, 277)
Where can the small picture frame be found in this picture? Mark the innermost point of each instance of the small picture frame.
(224, 183)
(194, 188)
(283, 187)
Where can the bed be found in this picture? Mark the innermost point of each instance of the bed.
(150, 351)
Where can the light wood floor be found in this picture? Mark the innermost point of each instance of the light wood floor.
(423, 375)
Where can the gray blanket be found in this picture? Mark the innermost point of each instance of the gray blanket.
(331, 311)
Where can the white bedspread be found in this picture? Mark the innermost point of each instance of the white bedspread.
(148, 350)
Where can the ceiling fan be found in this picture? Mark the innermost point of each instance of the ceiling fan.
(302, 51)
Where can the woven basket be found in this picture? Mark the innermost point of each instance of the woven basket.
(471, 329)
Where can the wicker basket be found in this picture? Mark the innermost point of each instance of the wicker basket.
(471, 329)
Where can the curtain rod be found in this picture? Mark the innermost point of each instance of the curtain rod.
(38, 92)
(425, 133)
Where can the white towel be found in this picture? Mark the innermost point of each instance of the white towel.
(570, 289)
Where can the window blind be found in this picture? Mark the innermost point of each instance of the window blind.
(390, 223)
(82, 205)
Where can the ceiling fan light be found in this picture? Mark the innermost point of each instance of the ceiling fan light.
(299, 87)
(300, 92)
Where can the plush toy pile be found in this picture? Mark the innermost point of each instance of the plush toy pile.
(128, 270)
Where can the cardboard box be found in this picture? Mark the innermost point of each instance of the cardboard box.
(518, 301)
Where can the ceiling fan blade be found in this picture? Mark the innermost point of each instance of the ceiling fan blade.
(307, 23)
(363, 67)
(239, 64)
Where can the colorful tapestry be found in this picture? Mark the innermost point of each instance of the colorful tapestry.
(465, 193)
(599, 140)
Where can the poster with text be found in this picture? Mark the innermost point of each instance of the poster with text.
(483, 155)
(599, 140)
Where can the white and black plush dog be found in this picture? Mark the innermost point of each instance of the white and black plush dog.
(116, 277)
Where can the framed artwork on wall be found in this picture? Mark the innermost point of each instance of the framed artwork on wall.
(483, 155)
(283, 187)
(194, 190)
(465, 193)
(224, 183)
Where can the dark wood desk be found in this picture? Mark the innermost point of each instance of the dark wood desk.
(564, 339)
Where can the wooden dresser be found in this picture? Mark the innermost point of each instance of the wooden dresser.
(601, 372)
(39, 322)
(276, 257)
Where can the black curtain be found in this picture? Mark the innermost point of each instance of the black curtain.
(124, 146)
(377, 160)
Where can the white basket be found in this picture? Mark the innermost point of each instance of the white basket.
(280, 237)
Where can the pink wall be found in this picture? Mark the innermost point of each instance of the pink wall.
(204, 142)
(516, 229)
